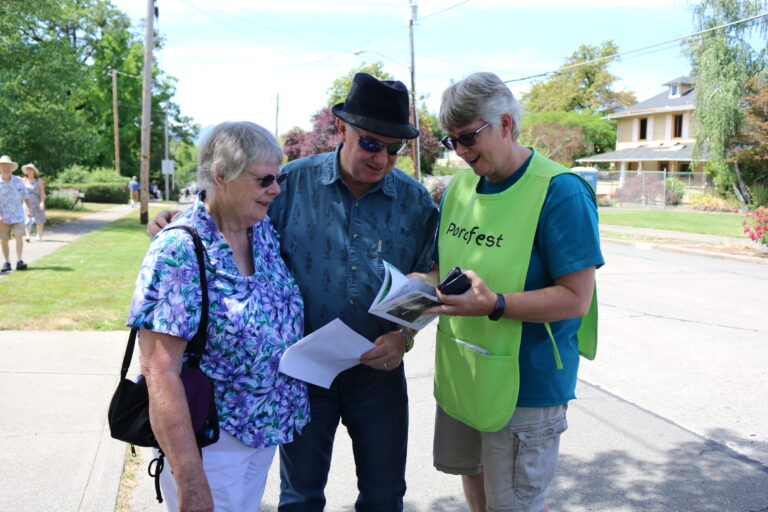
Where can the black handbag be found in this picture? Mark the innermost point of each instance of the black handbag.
(128, 415)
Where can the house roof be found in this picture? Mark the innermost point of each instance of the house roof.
(681, 80)
(662, 102)
(650, 152)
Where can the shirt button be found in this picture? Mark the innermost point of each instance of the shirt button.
(354, 236)
(357, 203)
(354, 268)
(352, 301)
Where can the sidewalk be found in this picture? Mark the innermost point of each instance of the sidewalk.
(56, 453)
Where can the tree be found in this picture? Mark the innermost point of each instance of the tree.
(323, 138)
(753, 154)
(555, 140)
(56, 91)
(588, 86)
(723, 61)
(599, 135)
(340, 87)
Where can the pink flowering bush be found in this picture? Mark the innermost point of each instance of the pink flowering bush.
(756, 225)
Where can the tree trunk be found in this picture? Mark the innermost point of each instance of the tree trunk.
(739, 186)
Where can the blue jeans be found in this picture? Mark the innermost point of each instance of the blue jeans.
(373, 405)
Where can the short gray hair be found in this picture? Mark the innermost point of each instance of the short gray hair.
(480, 96)
(231, 146)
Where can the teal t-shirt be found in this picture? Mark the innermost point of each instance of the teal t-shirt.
(567, 240)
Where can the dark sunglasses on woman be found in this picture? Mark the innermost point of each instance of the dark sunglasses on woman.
(264, 181)
(372, 145)
(465, 139)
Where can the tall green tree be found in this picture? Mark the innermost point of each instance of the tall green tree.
(565, 136)
(723, 61)
(340, 87)
(56, 91)
(578, 86)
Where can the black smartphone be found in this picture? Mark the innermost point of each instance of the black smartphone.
(455, 282)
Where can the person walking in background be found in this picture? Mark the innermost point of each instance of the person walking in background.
(36, 190)
(525, 231)
(13, 197)
(133, 188)
(255, 314)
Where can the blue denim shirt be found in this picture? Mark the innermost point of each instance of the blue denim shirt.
(334, 243)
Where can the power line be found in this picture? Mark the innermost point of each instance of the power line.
(616, 55)
(442, 10)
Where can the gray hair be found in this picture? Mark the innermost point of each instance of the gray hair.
(480, 96)
(231, 146)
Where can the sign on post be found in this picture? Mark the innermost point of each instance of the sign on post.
(167, 167)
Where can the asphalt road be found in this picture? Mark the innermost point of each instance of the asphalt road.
(686, 337)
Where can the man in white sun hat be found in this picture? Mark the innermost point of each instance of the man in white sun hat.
(12, 195)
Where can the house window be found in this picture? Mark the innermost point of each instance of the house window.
(643, 131)
(664, 166)
(674, 90)
(685, 167)
(678, 128)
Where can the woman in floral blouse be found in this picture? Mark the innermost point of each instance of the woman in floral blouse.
(255, 314)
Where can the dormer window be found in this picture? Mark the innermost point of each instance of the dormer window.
(674, 91)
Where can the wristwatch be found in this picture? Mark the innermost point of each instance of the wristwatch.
(500, 305)
(408, 338)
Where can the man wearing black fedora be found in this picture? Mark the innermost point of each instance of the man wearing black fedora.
(340, 215)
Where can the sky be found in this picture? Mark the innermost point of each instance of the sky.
(272, 62)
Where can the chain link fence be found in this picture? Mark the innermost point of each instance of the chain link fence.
(649, 188)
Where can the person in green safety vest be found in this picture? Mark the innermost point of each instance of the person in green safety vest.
(524, 229)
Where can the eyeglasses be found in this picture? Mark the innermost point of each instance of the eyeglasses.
(465, 139)
(372, 145)
(264, 181)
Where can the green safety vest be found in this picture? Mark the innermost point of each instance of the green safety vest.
(477, 376)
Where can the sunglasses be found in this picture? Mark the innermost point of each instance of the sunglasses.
(265, 181)
(372, 145)
(465, 139)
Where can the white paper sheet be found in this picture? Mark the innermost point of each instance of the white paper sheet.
(319, 357)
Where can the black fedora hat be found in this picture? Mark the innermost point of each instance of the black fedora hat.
(378, 106)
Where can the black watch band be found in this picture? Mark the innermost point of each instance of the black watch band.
(500, 305)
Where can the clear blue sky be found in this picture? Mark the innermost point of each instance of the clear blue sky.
(232, 57)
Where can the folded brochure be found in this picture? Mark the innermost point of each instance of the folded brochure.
(402, 299)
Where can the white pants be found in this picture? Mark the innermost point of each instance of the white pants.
(236, 473)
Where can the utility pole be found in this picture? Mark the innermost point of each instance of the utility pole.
(146, 111)
(277, 112)
(115, 121)
(414, 112)
(166, 156)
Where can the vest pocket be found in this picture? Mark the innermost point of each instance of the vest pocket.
(475, 388)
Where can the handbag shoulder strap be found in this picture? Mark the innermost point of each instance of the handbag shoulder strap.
(196, 346)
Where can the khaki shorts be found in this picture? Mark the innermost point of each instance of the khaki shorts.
(518, 461)
(134, 195)
(17, 228)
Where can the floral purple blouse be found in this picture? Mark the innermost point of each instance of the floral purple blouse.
(252, 320)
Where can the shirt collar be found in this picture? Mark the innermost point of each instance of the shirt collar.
(330, 172)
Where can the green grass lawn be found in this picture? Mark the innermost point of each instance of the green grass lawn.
(86, 285)
(707, 223)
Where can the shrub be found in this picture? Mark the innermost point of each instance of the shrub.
(675, 191)
(436, 186)
(447, 169)
(645, 189)
(710, 203)
(105, 192)
(73, 174)
(756, 225)
(759, 193)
